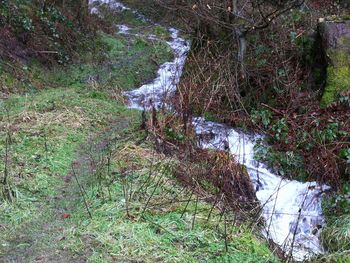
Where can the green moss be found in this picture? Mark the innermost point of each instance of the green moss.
(337, 82)
(338, 76)
(344, 41)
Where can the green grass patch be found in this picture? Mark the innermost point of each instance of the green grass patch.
(117, 62)
(46, 129)
(336, 234)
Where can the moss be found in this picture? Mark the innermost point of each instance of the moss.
(338, 81)
(338, 76)
(344, 41)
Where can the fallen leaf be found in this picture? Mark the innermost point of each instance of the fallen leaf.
(66, 216)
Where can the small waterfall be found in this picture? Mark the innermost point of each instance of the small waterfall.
(292, 209)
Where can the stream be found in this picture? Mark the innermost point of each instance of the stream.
(291, 209)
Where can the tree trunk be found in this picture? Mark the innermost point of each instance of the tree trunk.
(239, 37)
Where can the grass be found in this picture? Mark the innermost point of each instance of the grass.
(54, 113)
(121, 62)
(129, 65)
(336, 234)
(46, 130)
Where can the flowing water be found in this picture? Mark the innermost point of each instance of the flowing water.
(292, 209)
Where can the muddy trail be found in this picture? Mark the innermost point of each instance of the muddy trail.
(42, 239)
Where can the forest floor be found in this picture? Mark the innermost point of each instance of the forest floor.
(84, 182)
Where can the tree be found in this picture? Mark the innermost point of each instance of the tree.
(237, 17)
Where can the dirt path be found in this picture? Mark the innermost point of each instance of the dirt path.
(43, 238)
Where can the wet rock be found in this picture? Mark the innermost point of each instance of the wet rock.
(335, 37)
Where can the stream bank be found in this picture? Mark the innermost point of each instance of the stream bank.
(81, 104)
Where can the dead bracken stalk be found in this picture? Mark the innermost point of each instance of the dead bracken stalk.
(6, 190)
(82, 192)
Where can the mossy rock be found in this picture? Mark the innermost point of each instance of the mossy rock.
(338, 77)
(335, 36)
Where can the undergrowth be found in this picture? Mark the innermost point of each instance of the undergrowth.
(141, 213)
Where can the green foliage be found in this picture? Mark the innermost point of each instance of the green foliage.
(280, 129)
(126, 17)
(19, 14)
(306, 44)
(264, 116)
(336, 235)
(161, 32)
(209, 116)
(297, 16)
(27, 23)
(171, 134)
(345, 100)
(345, 153)
(328, 134)
(305, 141)
(123, 63)
(289, 164)
(51, 18)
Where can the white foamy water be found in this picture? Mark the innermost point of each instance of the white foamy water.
(292, 209)
(163, 86)
(123, 29)
(111, 4)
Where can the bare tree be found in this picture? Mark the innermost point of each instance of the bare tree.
(237, 17)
